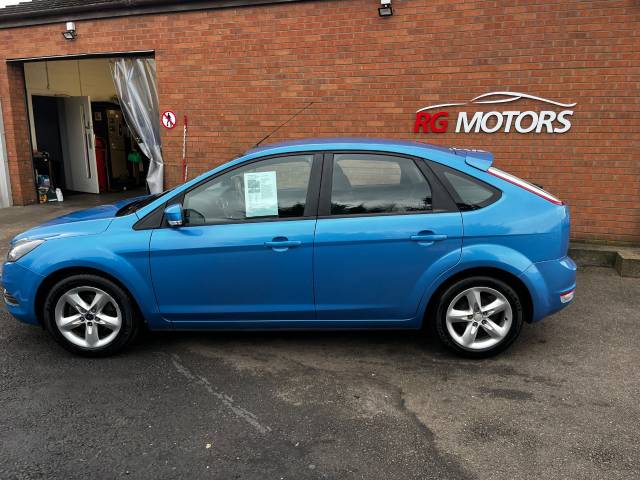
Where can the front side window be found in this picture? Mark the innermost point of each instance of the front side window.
(377, 184)
(267, 189)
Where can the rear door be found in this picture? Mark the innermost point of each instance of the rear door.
(386, 229)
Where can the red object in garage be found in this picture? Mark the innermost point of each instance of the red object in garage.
(101, 164)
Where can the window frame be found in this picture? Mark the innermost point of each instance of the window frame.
(441, 201)
(310, 208)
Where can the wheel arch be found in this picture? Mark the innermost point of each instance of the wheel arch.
(54, 277)
(512, 280)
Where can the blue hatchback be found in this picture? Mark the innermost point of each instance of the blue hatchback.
(315, 234)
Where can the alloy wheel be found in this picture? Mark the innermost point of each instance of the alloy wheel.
(88, 317)
(479, 318)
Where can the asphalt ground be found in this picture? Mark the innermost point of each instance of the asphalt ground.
(562, 402)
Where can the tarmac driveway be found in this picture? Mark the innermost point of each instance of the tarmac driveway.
(563, 402)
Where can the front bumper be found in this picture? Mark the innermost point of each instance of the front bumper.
(21, 285)
(552, 286)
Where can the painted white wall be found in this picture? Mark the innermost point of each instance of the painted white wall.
(5, 184)
(68, 78)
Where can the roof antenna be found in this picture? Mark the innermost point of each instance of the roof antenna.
(287, 121)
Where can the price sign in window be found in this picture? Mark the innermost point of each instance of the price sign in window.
(261, 194)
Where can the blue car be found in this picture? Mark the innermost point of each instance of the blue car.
(315, 234)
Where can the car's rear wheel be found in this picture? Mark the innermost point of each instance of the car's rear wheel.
(479, 316)
(90, 315)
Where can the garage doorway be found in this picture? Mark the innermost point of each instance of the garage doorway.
(80, 138)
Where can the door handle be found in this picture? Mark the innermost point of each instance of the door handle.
(428, 237)
(282, 243)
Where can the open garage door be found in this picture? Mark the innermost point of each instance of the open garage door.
(81, 141)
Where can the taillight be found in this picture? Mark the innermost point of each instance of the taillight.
(496, 172)
(567, 296)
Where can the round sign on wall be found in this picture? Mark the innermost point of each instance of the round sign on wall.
(168, 119)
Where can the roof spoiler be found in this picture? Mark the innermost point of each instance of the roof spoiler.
(476, 158)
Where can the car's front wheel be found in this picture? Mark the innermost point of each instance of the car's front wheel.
(90, 315)
(479, 316)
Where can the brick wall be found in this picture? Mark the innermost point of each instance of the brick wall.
(238, 73)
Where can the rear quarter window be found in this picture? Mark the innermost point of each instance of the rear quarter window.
(468, 192)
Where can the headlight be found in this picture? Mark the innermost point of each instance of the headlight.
(21, 248)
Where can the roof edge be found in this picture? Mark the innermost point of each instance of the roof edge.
(121, 8)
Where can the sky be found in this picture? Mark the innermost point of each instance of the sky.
(4, 3)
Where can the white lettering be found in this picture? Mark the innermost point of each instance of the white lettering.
(464, 123)
(546, 119)
(523, 122)
(485, 122)
(564, 121)
(509, 114)
(521, 117)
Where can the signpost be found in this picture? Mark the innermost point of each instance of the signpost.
(185, 165)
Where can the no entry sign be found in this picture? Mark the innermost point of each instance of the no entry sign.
(168, 119)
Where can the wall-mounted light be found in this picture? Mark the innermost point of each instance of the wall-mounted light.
(70, 32)
(385, 9)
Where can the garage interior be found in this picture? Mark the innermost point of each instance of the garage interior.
(80, 140)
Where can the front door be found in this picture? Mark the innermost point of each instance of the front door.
(78, 149)
(384, 233)
(245, 254)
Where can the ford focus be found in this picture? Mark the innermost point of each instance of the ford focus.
(315, 234)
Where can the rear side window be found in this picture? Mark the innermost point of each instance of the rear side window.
(469, 193)
(377, 184)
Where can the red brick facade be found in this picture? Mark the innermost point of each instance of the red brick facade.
(240, 72)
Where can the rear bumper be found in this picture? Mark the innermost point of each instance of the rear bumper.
(551, 284)
(21, 285)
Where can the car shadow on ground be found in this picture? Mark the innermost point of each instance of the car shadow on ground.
(343, 343)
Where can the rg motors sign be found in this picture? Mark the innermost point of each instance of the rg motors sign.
(438, 118)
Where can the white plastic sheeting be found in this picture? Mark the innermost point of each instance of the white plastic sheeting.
(5, 184)
(135, 81)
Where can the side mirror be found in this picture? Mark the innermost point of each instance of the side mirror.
(173, 214)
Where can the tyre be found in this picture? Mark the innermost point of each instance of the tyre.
(478, 317)
(90, 315)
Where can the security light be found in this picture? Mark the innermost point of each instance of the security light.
(385, 9)
(70, 32)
